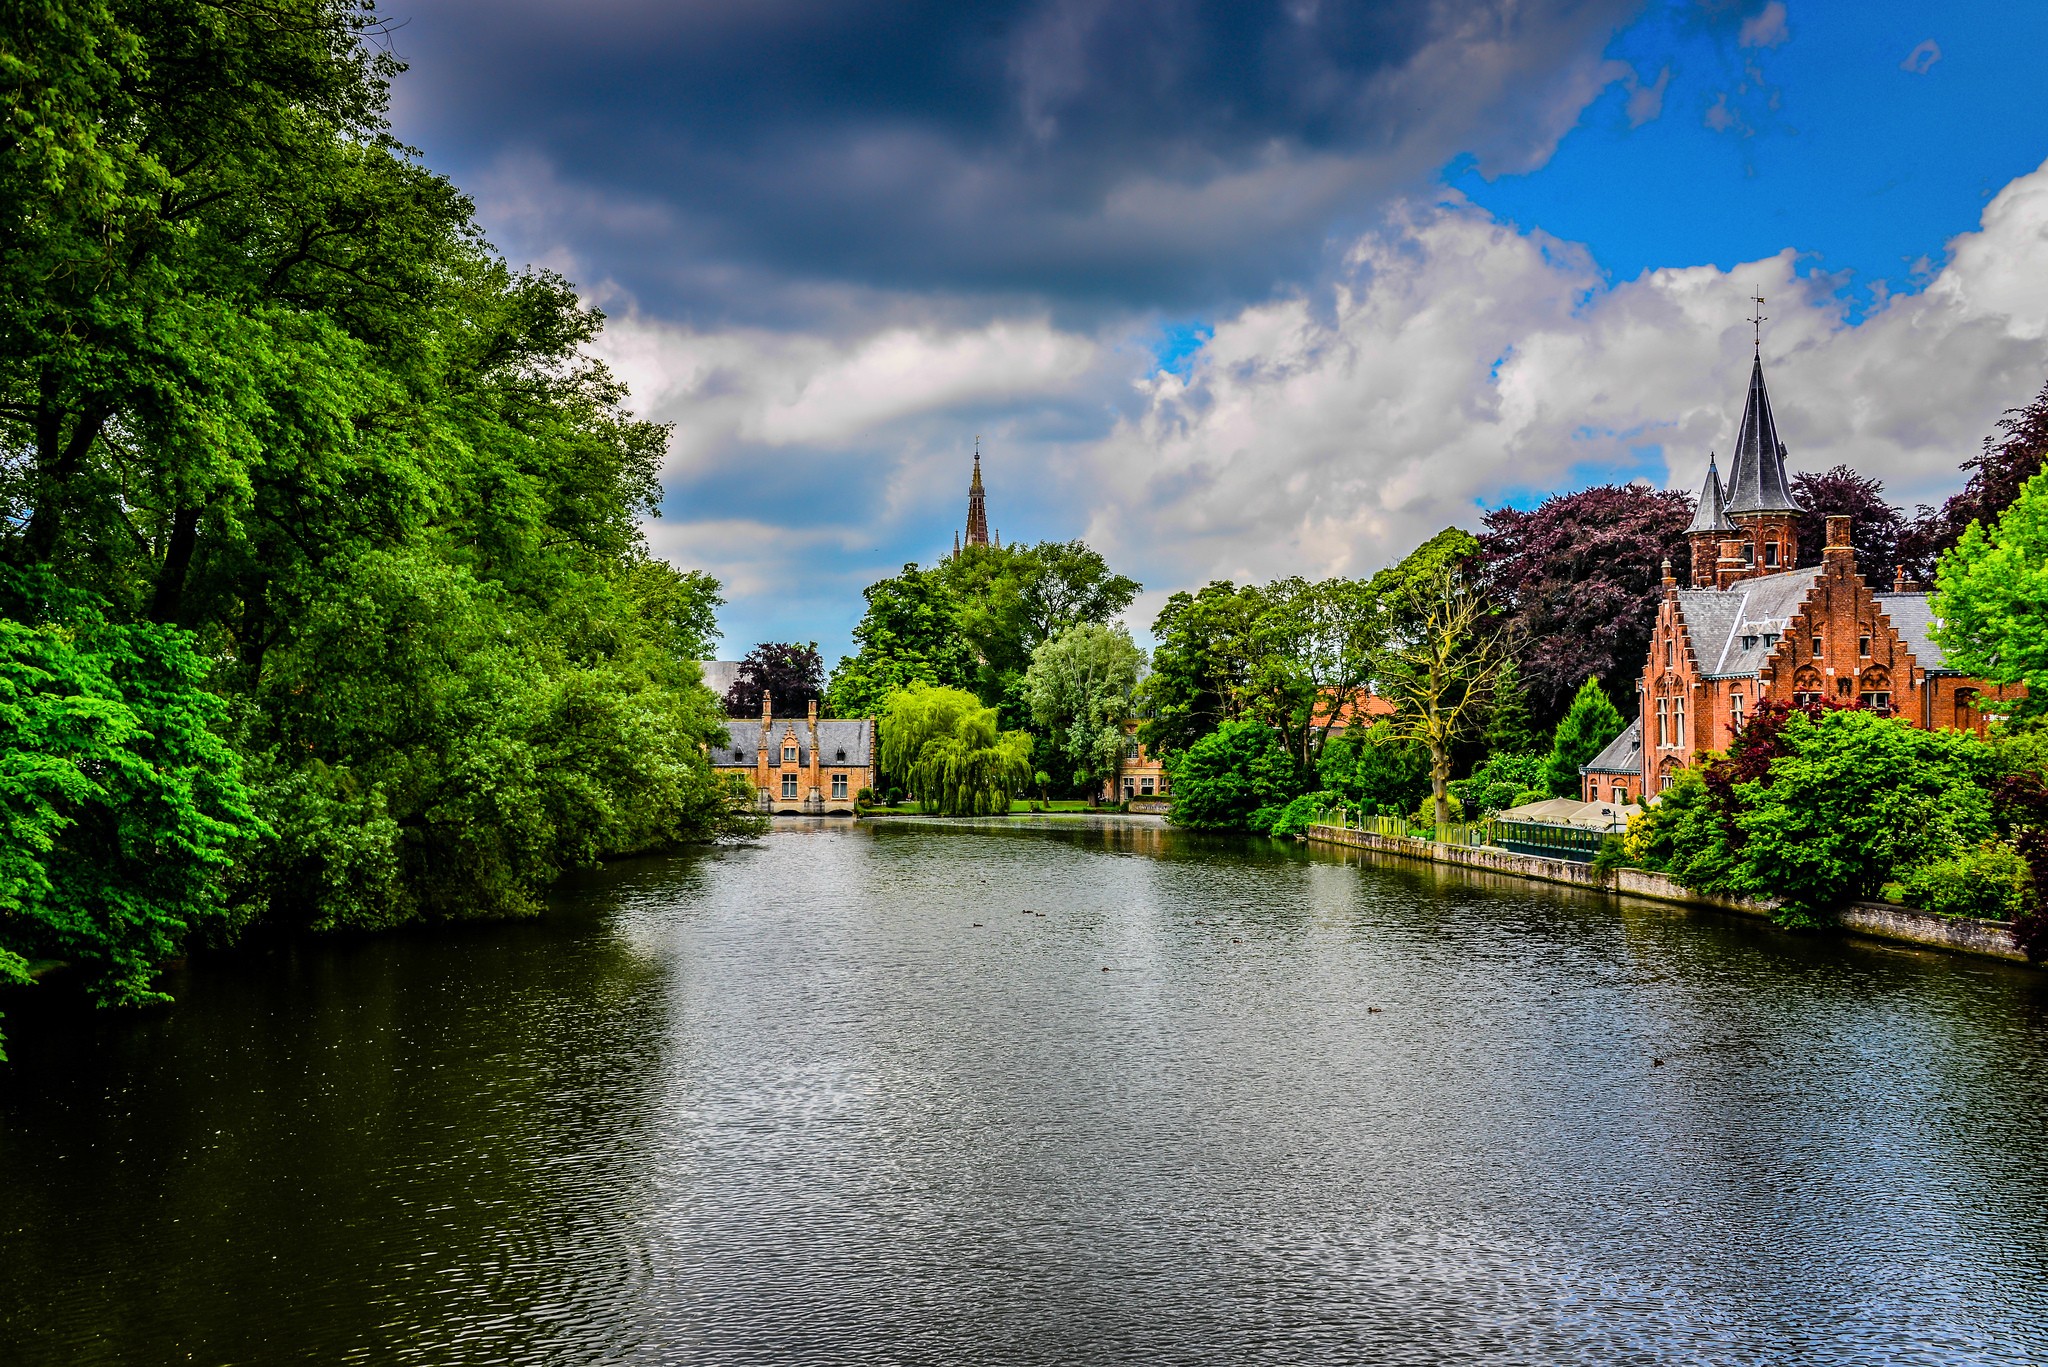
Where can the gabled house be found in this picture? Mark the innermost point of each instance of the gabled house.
(1753, 626)
(809, 767)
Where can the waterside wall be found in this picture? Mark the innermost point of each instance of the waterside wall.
(1880, 920)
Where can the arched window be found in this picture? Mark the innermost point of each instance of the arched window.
(1678, 722)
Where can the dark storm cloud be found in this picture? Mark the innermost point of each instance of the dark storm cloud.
(712, 157)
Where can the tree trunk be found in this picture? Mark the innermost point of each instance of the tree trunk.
(55, 468)
(170, 583)
(1439, 778)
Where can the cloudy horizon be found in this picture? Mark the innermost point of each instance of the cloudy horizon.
(1243, 291)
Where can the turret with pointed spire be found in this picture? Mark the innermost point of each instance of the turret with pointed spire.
(1756, 508)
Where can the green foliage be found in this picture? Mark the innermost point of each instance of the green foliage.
(1848, 798)
(951, 751)
(1295, 818)
(1678, 819)
(1589, 724)
(1226, 780)
(295, 407)
(1081, 685)
(1440, 656)
(1500, 782)
(1989, 882)
(1013, 599)
(1377, 771)
(1510, 729)
(123, 809)
(1205, 654)
(910, 634)
(1989, 591)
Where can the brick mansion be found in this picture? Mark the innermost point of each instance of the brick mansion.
(1755, 626)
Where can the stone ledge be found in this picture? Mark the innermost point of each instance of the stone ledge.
(1879, 920)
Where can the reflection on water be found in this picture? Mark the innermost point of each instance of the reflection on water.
(1070, 1091)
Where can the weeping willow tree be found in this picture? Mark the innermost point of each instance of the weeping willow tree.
(949, 752)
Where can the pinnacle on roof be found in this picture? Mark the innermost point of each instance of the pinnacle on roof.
(1711, 515)
(1756, 479)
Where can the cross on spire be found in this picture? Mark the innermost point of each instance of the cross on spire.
(1757, 323)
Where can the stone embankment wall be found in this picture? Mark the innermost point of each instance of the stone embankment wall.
(1878, 919)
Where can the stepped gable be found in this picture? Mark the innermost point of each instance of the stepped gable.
(1756, 477)
(1912, 616)
(1728, 627)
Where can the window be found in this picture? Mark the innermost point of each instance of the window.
(1735, 709)
(1663, 726)
(1664, 784)
(839, 786)
(1770, 555)
(1805, 699)
(839, 755)
(789, 754)
(1880, 703)
(1863, 647)
(1678, 723)
(1770, 640)
(1749, 552)
(1130, 787)
(1620, 796)
(1670, 651)
(1145, 786)
(789, 785)
(1749, 643)
(1816, 647)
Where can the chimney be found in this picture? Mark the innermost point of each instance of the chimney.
(1838, 547)
(1670, 582)
(1730, 567)
(1901, 584)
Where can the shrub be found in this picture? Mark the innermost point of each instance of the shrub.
(1294, 818)
(1989, 882)
(1425, 815)
(1227, 776)
(1375, 770)
(1500, 782)
(864, 796)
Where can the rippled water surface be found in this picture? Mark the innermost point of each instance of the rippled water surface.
(1091, 1093)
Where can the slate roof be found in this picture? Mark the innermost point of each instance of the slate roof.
(1623, 755)
(1710, 515)
(1720, 621)
(1756, 474)
(743, 740)
(1912, 616)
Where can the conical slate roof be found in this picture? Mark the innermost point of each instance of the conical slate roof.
(1756, 479)
(1711, 515)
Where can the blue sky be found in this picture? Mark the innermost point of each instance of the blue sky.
(1246, 289)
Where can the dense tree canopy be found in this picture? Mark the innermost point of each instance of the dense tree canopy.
(1238, 777)
(1579, 577)
(789, 672)
(263, 385)
(1013, 599)
(1990, 593)
(909, 634)
(1082, 685)
(950, 752)
(1875, 526)
(2011, 457)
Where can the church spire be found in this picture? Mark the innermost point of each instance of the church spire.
(1711, 515)
(977, 504)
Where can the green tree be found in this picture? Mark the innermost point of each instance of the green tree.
(1013, 599)
(1205, 653)
(1374, 769)
(1440, 660)
(123, 808)
(1510, 729)
(1500, 781)
(950, 753)
(1989, 591)
(1588, 725)
(1236, 778)
(909, 634)
(1843, 801)
(1082, 685)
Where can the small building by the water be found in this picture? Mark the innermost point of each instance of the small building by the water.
(809, 767)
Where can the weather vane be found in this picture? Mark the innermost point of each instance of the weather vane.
(1758, 322)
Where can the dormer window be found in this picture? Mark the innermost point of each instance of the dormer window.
(789, 754)
(1749, 643)
(1770, 640)
(839, 755)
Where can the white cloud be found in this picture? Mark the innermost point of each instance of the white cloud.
(1450, 362)
(1765, 28)
(1457, 360)
(1924, 55)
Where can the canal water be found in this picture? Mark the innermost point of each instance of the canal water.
(1074, 1092)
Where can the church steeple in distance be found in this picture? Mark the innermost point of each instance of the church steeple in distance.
(977, 504)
